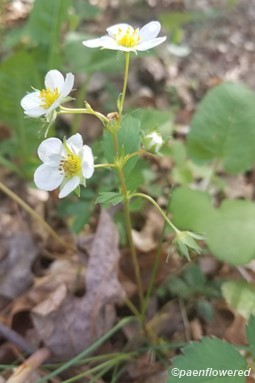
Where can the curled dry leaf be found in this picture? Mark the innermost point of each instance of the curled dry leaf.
(147, 239)
(67, 324)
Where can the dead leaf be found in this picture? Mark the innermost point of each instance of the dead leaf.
(147, 239)
(235, 333)
(166, 321)
(237, 187)
(67, 324)
(18, 252)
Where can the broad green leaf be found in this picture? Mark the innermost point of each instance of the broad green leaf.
(228, 230)
(154, 118)
(85, 10)
(45, 21)
(210, 353)
(223, 128)
(240, 295)
(250, 333)
(112, 198)
(191, 210)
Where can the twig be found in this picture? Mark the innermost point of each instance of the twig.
(11, 335)
(185, 320)
(23, 372)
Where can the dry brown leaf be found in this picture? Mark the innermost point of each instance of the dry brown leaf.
(18, 252)
(68, 324)
(237, 187)
(235, 333)
(147, 239)
(166, 321)
(161, 377)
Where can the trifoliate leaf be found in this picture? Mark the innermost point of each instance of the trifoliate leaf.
(228, 230)
(210, 356)
(223, 128)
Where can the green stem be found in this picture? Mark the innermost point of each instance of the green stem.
(102, 118)
(105, 166)
(109, 364)
(155, 266)
(129, 234)
(123, 95)
(151, 200)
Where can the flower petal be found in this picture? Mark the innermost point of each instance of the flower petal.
(108, 42)
(115, 29)
(54, 79)
(47, 178)
(50, 151)
(87, 162)
(68, 85)
(93, 43)
(150, 44)
(150, 31)
(69, 186)
(75, 143)
(31, 105)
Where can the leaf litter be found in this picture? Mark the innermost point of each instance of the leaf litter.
(69, 324)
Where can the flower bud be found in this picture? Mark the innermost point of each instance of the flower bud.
(153, 142)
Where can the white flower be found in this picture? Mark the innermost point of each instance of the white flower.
(67, 164)
(153, 142)
(123, 37)
(45, 101)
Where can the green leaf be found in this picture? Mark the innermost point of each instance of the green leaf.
(85, 10)
(205, 309)
(154, 118)
(228, 230)
(222, 129)
(45, 21)
(209, 355)
(240, 295)
(17, 74)
(109, 198)
(250, 333)
(129, 140)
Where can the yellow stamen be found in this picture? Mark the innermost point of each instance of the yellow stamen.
(70, 165)
(48, 97)
(128, 38)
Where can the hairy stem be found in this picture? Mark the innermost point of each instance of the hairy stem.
(123, 95)
(151, 200)
(100, 116)
(155, 267)
(129, 234)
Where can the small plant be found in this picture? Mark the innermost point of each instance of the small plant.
(221, 139)
(70, 164)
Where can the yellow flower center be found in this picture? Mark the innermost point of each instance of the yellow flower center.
(71, 165)
(48, 97)
(128, 38)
